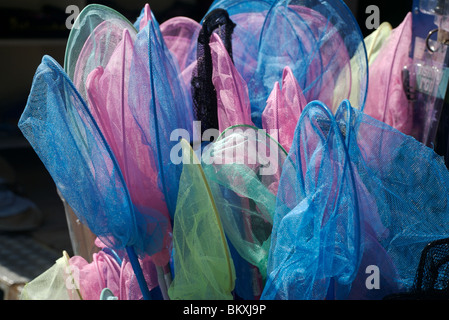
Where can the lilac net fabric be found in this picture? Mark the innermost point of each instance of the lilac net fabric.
(386, 99)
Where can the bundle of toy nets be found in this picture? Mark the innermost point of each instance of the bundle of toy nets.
(243, 156)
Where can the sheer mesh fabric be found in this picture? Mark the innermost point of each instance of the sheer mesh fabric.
(408, 182)
(73, 278)
(399, 188)
(386, 99)
(283, 109)
(432, 277)
(301, 211)
(202, 262)
(203, 90)
(316, 227)
(243, 168)
(271, 35)
(233, 105)
(180, 35)
(97, 31)
(160, 107)
(106, 271)
(56, 283)
(108, 91)
(58, 125)
(60, 128)
(375, 41)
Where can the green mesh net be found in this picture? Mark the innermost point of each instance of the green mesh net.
(59, 282)
(202, 262)
(243, 168)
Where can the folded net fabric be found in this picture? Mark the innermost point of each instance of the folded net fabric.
(375, 257)
(375, 41)
(106, 271)
(399, 187)
(409, 185)
(386, 99)
(105, 29)
(58, 282)
(243, 168)
(161, 107)
(102, 75)
(202, 262)
(316, 228)
(233, 105)
(61, 130)
(108, 90)
(249, 17)
(145, 15)
(102, 272)
(284, 107)
(97, 31)
(432, 277)
(180, 35)
(73, 278)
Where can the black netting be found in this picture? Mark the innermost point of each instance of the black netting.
(203, 90)
(432, 275)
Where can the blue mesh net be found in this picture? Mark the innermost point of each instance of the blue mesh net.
(354, 194)
(408, 183)
(160, 107)
(59, 127)
(96, 32)
(316, 229)
(271, 35)
(141, 15)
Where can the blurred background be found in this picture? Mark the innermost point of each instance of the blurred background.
(33, 239)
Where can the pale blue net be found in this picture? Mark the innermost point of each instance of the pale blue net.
(319, 40)
(354, 193)
(61, 130)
